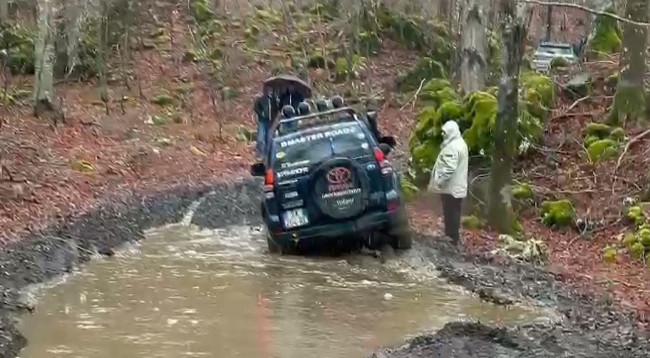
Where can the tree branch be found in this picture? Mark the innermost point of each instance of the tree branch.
(587, 9)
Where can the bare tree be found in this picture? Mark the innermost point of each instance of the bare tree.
(73, 11)
(505, 134)
(4, 11)
(44, 58)
(473, 46)
(630, 100)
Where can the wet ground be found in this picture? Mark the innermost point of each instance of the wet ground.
(186, 292)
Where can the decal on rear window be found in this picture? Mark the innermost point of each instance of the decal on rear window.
(294, 164)
(292, 172)
(316, 136)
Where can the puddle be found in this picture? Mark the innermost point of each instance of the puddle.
(185, 292)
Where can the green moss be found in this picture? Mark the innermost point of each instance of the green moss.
(470, 222)
(609, 254)
(637, 250)
(635, 215)
(523, 192)
(537, 93)
(589, 140)
(601, 149)
(425, 69)
(599, 130)
(481, 110)
(557, 213)
(644, 236)
(607, 35)
(437, 91)
(629, 239)
(612, 81)
(618, 134)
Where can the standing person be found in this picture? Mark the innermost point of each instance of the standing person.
(261, 108)
(449, 177)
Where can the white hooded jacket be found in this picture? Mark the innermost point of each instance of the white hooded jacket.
(449, 174)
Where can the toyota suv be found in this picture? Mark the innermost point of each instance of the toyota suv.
(328, 177)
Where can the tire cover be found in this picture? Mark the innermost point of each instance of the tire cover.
(340, 188)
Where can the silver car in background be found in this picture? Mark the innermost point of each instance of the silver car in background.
(547, 51)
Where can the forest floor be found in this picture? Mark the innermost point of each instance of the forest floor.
(51, 173)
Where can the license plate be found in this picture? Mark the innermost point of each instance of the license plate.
(295, 218)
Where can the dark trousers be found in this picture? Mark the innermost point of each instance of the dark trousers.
(451, 210)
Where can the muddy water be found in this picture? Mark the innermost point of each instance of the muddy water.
(191, 293)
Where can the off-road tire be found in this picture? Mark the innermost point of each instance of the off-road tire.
(402, 239)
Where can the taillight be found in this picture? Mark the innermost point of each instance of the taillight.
(379, 155)
(268, 180)
(392, 205)
(383, 163)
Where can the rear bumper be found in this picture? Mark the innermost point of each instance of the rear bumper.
(365, 223)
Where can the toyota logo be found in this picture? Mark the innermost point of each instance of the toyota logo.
(339, 175)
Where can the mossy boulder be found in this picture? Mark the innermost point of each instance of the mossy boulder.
(599, 130)
(602, 149)
(537, 93)
(644, 236)
(425, 69)
(557, 213)
(470, 222)
(610, 254)
(635, 215)
(523, 192)
(606, 37)
(618, 134)
(629, 239)
(637, 250)
(579, 86)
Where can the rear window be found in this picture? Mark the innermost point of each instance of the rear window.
(317, 144)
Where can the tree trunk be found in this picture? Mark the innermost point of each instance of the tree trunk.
(505, 135)
(73, 11)
(549, 22)
(102, 38)
(44, 59)
(4, 11)
(630, 99)
(473, 42)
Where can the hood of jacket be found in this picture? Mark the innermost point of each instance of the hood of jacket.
(450, 132)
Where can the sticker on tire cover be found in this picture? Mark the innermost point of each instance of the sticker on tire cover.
(280, 155)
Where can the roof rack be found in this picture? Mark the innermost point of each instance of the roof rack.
(313, 118)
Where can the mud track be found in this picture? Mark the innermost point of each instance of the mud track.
(589, 327)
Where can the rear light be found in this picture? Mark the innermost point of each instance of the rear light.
(268, 180)
(277, 230)
(383, 163)
(392, 205)
(379, 155)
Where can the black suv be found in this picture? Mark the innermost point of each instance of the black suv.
(327, 176)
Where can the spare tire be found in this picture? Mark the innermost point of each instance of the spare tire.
(340, 188)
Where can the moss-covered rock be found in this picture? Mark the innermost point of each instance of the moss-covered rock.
(618, 134)
(557, 213)
(599, 130)
(606, 38)
(635, 215)
(602, 149)
(610, 254)
(523, 192)
(470, 222)
(644, 236)
(637, 250)
(579, 86)
(629, 239)
(425, 69)
(537, 93)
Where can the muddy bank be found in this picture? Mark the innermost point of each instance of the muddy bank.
(589, 327)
